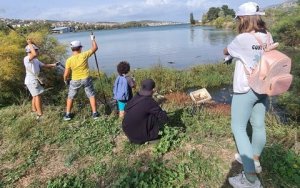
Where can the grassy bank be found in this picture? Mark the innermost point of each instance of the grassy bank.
(196, 149)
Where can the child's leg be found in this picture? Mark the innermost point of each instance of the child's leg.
(69, 105)
(241, 110)
(90, 93)
(73, 88)
(93, 104)
(121, 114)
(33, 108)
(38, 104)
(121, 106)
(257, 121)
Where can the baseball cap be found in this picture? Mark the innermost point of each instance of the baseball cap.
(147, 86)
(75, 44)
(27, 48)
(248, 9)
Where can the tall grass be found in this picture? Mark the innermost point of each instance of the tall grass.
(169, 80)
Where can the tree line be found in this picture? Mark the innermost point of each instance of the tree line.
(216, 16)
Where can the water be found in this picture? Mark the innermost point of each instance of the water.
(176, 46)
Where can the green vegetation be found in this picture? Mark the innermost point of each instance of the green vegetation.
(285, 25)
(219, 17)
(12, 68)
(195, 150)
(291, 100)
(285, 29)
(216, 12)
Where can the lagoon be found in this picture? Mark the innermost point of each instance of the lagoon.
(176, 46)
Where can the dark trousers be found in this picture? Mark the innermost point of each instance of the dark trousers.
(152, 129)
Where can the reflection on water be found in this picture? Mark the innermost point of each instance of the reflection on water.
(183, 45)
(192, 33)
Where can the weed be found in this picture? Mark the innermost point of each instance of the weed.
(205, 169)
(170, 138)
(155, 175)
(130, 148)
(70, 181)
(282, 164)
(71, 158)
(14, 174)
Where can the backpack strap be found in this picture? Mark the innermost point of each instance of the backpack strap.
(264, 49)
(261, 43)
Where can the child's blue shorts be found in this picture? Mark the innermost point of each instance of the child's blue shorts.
(121, 105)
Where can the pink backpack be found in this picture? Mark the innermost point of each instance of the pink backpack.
(271, 75)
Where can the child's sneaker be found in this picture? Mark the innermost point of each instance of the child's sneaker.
(95, 115)
(67, 117)
(39, 117)
(258, 168)
(240, 181)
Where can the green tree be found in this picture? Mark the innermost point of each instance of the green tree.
(204, 18)
(192, 20)
(221, 14)
(3, 27)
(35, 27)
(227, 11)
(213, 13)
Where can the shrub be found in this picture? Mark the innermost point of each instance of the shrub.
(12, 69)
(286, 28)
(282, 164)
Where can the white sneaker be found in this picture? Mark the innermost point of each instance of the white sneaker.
(257, 165)
(240, 181)
(39, 117)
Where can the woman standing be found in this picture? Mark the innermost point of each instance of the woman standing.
(246, 104)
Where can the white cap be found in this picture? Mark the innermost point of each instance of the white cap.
(75, 44)
(248, 9)
(27, 48)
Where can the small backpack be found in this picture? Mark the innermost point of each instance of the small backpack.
(120, 89)
(271, 75)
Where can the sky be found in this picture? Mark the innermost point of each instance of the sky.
(115, 10)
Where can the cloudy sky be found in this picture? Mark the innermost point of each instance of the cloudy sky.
(115, 10)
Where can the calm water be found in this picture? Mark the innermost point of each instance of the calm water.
(183, 45)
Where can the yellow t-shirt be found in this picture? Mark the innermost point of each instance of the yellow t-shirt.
(79, 65)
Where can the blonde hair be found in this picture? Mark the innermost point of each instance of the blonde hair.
(251, 23)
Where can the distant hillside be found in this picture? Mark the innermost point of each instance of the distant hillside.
(286, 4)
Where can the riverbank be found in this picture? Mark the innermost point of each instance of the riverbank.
(196, 150)
(223, 23)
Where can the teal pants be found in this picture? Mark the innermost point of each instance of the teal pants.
(121, 105)
(249, 106)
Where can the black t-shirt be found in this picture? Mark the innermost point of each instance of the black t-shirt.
(131, 84)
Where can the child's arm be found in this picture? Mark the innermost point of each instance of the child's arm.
(132, 83)
(225, 51)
